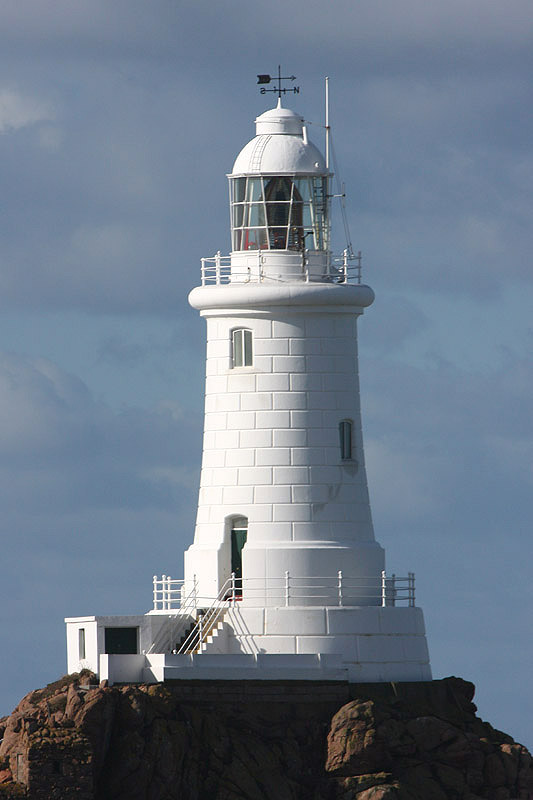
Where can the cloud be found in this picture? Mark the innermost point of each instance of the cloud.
(440, 432)
(392, 322)
(405, 478)
(94, 502)
(61, 450)
(18, 111)
(116, 350)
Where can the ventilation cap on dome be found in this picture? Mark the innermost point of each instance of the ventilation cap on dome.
(279, 120)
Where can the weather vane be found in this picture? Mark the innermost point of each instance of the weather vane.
(279, 89)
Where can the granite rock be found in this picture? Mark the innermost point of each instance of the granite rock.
(225, 740)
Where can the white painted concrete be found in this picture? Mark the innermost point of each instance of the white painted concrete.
(287, 440)
(148, 627)
(272, 454)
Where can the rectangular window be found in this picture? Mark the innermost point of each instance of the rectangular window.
(121, 640)
(81, 644)
(345, 436)
(242, 348)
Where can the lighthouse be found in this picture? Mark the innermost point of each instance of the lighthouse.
(284, 577)
(283, 484)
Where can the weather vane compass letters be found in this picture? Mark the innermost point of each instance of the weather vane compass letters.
(278, 89)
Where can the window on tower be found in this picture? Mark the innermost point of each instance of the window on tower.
(242, 351)
(345, 436)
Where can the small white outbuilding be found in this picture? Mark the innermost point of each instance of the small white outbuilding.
(284, 578)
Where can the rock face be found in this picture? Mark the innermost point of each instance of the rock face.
(258, 741)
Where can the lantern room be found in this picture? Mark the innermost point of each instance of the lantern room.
(279, 203)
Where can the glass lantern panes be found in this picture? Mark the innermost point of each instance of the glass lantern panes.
(279, 212)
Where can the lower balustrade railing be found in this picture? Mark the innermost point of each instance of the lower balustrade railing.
(287, 590)
(196, 616)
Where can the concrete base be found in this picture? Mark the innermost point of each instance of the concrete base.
(373, 643)
(359, 645)
(160, 667)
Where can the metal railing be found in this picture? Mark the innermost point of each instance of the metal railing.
(168, 595)
(291, 590)
(167, 592)
(343, 269)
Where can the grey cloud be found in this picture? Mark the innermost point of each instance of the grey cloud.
(391, 322)
(61, 449)
(117, 351)
(440, 432)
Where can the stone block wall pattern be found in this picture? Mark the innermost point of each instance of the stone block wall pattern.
(271, 441)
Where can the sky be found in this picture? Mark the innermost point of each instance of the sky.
(119, 120)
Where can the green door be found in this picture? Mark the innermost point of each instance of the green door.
(238, 540)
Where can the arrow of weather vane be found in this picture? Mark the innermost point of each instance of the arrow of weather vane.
(278, 89)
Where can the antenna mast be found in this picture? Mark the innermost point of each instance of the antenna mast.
(327, 123)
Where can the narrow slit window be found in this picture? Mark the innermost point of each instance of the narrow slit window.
(239, 534)
(242, 348)
(345, 436)
(81, 643)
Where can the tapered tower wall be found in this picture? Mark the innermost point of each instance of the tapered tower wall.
(272, 450)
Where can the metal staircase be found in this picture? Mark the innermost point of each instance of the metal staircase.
(210, 621)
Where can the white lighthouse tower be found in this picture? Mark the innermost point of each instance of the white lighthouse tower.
(284, 577)
(283, 499)
(283, 454)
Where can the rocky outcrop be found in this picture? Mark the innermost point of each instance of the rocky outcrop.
(408, 748)
(213, 740)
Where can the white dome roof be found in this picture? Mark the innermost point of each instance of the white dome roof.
(279, 120)
(280, 147)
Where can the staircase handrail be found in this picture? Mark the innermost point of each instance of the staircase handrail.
(209, 618)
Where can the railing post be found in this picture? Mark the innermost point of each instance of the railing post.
(411, 576)
(233, 588)
(200, 631)
(154, 579)
(164, 592)
(340, 587)
(345, 266)
(217, 266)
(383, 588)
(287, 588)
